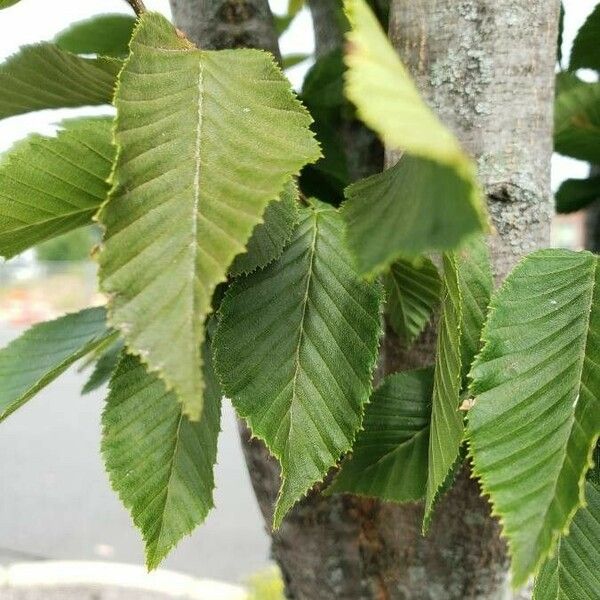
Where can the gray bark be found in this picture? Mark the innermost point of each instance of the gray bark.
(328, 33)
(486, 67)
(218, 24)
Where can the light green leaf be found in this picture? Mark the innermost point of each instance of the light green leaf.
(291, 60)
(44, 76)
(269, 238)
(159, 462)
(49, 186)
(577, 121)
(536, 415)
(467, 287)
(389, 456)
(387, 100)
(106, 364)
(42, 353)
(7, 3)
(412, 294)
(205, 141)
(295, 349)
(106, 35)
(575, 194)
(572, 573)
(585, 53)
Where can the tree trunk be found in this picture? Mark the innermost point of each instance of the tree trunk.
(487, 68)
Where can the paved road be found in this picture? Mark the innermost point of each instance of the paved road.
(55, 500)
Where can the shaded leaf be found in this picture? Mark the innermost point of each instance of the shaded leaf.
(104, 368)
(44, 76)
(412, 294)
(536, 416)
(467, 287)
(291, 60)
(269, 238)
(206, 139)
(575, 194)
(388, 101)
(160, 463)
(106, 35)
(42, 353)
(577, 121)
(410, 209)
(572, 573)
(389, 456)
(51, 185)
(295, 349)
(585, 52)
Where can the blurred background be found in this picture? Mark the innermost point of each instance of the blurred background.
(55, 499)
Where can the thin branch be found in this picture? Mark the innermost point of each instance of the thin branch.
(138, 6)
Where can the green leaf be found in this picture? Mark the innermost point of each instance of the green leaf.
(387, 101)
(206, 139)
(105, 366)
(577, 121)
(106, 35)
(7, 3)
(585, 53)
(291, 60)
(572, 573)
(389, 456)
(42, 353)
(295, 349)
(410, 209)
(49, 186)
(44, 76)
(536, 416)
(412, 294)
(467, 288)
(323, 85)
(575, 194)
(269, 238)
(159, 462)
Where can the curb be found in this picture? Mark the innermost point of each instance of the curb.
(120, 575)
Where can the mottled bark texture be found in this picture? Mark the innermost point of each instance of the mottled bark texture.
(326, 18)
(486, 67)
(218, 24)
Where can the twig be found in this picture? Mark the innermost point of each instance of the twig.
(138, 6)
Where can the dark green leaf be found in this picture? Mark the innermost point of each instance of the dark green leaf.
(575, 194)
(585, 53)
(412, 294)
(105, 366)
(295, 349)
(269, 238)
(389, 456)
(106, 35)
(414, 207)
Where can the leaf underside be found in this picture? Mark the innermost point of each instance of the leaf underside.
(536, 416)
(44, 76)
(205, 141)
(49, 186)
(389, 456)
(159, 462)
(295, 349)
(42, 353)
